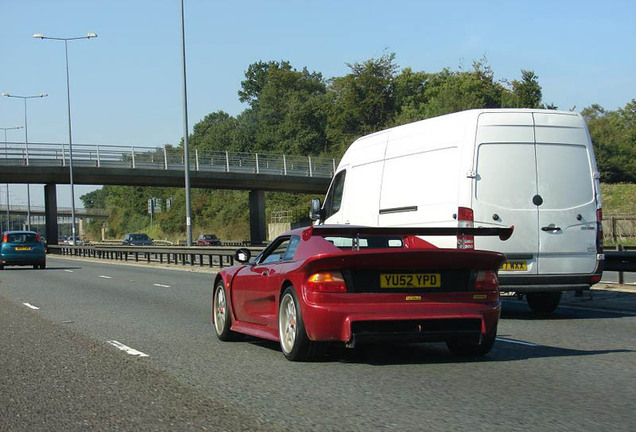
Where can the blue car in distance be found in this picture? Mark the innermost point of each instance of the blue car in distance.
(22, 248)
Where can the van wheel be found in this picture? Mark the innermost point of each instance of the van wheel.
(544, 303)
(462, 347)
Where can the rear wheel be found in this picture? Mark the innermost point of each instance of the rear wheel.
(462, 347)
(35, 266)
(42, 266)
(294, 342)
(544, 303)
(221, 317)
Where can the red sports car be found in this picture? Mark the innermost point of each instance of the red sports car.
(353, 285)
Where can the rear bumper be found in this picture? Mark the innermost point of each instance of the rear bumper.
(416, 321)
(18, 260)
(543, 283)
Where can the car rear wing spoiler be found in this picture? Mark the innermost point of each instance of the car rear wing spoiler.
(356, 231)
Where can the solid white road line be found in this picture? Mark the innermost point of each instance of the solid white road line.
(162, 286)
(127, 349)
(512, 341)
(69, 271)
(29, 305)
(105, 277)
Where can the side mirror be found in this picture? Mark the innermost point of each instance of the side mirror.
(242, 255)
(315, 213)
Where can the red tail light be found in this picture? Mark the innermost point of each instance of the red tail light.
(599, 231)
(486, 281)
(37, 238)
(465, 219)
(5, 238)
(327, 282)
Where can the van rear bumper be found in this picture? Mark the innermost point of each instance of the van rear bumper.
(543, 283)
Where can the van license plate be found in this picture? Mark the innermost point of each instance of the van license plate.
(22, 248)
(410, 280)
(514, 266)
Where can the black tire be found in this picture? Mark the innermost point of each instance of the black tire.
(42, 266)
(35, 266)
(470, 347)
(1, 266)
(544, 303)
(221, 315)
(294, 342)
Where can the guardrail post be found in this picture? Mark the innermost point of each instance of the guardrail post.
(98, 161)
(284, 165)
(256, 163)
(165, 157)
(227, 161)
(621, 276)
(63, 155)
(196, 159)
(133, 157)
(26, 153)
(333, 173)
(310, 170)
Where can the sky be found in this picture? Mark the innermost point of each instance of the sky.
(126, 84)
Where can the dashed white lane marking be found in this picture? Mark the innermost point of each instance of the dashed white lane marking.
(162, 285)
(69, 271)
(29, 305)
(105, 277)
(512, 341)
(127, 349)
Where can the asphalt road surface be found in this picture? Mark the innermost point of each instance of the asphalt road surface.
(97, 346)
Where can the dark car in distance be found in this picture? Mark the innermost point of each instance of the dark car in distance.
(208, 240)
(22, 248)
(137, 239)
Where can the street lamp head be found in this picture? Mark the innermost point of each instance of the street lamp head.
(91, 35)
(6, 94)
(38, 36)
(43, 95)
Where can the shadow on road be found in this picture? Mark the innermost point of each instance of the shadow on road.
(592, 306)
(435, 353)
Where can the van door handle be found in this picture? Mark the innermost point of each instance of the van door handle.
(551, 227)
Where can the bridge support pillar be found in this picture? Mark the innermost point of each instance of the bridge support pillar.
(50, 213)
(257, 216)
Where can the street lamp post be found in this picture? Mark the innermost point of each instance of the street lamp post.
(5, 156)
(70, 134)
(26, 145)
(186, 149)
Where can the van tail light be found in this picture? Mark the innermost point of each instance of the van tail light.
(465, 219)
(599, 231)
(327, 282)
(5, 238)
(486, 281)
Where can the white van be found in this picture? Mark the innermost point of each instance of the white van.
(528, 168)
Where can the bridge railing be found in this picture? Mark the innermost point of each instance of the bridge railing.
(164, 158)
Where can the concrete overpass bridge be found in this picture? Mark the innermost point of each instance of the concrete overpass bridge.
(48, 164)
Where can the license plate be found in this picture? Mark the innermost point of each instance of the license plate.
(514, 266)
(410, 280)
(22, 248)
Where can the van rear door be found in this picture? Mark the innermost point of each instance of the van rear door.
(567, 215)
(505, 182)
(534, 171)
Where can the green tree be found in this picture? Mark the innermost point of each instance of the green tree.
(614, 136)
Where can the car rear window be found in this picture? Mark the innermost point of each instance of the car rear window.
(21, 238)
(140, 237)
(366, 242)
